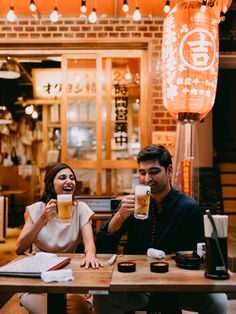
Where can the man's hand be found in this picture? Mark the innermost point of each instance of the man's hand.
(125, 210)
(127, 206)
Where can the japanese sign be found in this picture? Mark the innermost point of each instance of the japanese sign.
(165, 138)
(47, 83)
(121, 116)
(186, 180)
(190, 59)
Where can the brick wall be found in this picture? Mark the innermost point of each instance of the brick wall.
(105, 30)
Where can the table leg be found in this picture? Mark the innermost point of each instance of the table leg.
(56, 303)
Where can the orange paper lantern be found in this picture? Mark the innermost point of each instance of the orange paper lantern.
(190, 52)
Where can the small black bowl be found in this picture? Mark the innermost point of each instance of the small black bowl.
(188, 259)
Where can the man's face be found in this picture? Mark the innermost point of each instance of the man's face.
(156, 176)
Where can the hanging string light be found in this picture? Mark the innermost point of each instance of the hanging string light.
(32, 6)
(125, 7)
(137, 15)
(167, 6)
(203, 7)
(54, 16)
(83, 7)
(11, 17)
(218, 7)
(93, 15)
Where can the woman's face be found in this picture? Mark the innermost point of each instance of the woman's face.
(64, 182)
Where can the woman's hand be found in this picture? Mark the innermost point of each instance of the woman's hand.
(90, 260)
(31, 229)
(50, 210)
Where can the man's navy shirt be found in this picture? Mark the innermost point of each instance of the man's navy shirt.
(178, 227)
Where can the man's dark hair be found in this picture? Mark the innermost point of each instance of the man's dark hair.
(155, 152)
(51, 172)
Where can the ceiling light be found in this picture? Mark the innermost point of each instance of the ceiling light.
(34, 114)
(29, 109)
(54, 17)
(9, 69)
(93, 16)
(167, 6)
(83, 7)
(11, 17)
(125, 6)
(32, 6)
(137, 15)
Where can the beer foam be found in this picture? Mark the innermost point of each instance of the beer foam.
(64, 198)
(142, 189)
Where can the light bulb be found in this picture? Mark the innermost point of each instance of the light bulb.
(125, 6)
(222, 16)
(167, 7)
(83, 7)
(93, 16)
(128, 76)
(29, 109)
(34, 115)
(54, 17)
(32, 6)
(11, 17)
(203, 6)
(137, 15)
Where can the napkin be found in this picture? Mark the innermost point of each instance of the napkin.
(57, 275)
(221, 223)
(155, 253)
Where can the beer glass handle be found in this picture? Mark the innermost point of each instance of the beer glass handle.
(214, 236)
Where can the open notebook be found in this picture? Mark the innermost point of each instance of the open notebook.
(33, 266)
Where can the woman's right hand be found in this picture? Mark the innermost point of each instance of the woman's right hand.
(50, 210)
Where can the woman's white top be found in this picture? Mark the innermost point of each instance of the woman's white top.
(57, 236)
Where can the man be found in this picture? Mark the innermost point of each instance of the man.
(175, 223)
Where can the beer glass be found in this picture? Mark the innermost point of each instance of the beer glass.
(64, 206)
(142, 200)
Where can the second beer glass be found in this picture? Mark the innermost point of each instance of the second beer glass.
(142, 200)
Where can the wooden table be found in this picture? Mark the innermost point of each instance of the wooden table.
(176, 280)
(106, 279)
(94, 281)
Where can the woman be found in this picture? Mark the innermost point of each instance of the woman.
(43, 231)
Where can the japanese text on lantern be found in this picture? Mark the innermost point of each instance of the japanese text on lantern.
(190, 63)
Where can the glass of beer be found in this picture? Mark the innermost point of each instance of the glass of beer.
(142, 200)
(64, 206)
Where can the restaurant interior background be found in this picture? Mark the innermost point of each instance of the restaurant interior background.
(90, 95)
